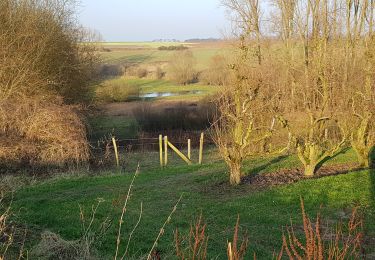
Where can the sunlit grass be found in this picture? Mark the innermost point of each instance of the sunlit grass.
(205, 191)
(147, 86)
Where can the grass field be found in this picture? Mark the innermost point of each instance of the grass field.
(54, 205)
(133, 53)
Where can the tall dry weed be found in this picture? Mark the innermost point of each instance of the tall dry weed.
(237, 248)
(6, 235)
(344, 242)
(194, 245)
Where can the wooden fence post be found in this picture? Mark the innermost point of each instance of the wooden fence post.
(165, 150)
(183, 157)
(230, 253)
(161, 150)
(189, 149)
(201, 148)
(116, 151)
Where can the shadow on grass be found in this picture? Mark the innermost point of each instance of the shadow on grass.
(332, 157)
(257, 170)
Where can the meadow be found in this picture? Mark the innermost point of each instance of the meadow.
(263, 212)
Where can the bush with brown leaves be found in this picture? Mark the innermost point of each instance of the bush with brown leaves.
(46, 64)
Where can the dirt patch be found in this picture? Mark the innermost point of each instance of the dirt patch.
(287, 176)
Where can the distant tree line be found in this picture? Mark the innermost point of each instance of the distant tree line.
(173, 48)
(203, 40)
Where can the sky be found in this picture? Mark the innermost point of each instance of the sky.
(146, 20)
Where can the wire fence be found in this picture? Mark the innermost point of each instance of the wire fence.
(127, 152)
(145, 144)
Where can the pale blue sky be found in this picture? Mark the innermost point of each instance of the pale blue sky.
(144, 20)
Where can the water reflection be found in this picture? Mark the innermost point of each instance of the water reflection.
(169, 94)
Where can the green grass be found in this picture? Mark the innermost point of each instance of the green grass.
(54, 205)
(147, 86)
(152, 86)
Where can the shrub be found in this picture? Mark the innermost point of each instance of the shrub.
(111, 70)
(55, 57)
(181, 68)
(142, 73)
(181, 117)
(116, 90)
(173, 48)
(46, 64)
(136, 71)
(11, 245)
(159, 73)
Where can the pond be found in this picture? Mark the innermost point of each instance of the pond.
(169, 94)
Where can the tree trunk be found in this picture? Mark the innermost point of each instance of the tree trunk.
(310, 170)
(235, 173)
(360, 143)
(310, 157)
(364, 162)
(372, 158)
(363, 155)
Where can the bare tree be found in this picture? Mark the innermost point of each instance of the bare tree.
(247, 16)
(240, 128)
(323, 137)
(361, 95)
(322, 75)
(181, 68)
(285, 25)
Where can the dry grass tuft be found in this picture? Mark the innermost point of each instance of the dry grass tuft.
(42, 134)
(11, 242)
(5, 235)
(52, 246)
